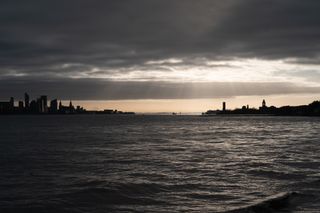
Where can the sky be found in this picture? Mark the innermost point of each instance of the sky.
(161, 55)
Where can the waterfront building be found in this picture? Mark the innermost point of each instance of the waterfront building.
(54, 106)
(26, 101)
(43, 104)
(20, 106)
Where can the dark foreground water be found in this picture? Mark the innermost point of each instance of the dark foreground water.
(159, 164)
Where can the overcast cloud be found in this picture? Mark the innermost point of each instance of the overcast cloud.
(114, 45)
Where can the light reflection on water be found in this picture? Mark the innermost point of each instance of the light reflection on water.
(155, 163)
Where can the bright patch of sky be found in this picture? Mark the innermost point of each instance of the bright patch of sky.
(237, 70)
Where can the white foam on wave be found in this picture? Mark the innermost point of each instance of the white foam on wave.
(274, 203)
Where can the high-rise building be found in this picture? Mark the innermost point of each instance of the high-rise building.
(20, 106)
(43, 104)
(39, 106)
(34, 106)
(264, 105)
(7, 107)
(54, 106)
(26, 101)
(12, 102)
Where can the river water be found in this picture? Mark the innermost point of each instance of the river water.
(88, 163)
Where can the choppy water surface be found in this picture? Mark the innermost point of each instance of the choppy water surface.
(159, 164)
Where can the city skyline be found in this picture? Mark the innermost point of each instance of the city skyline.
(43, 105)
(39, 105)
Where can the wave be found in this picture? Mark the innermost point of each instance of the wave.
(280, 175)
(274, 203)
(92, 196)
(142, 194)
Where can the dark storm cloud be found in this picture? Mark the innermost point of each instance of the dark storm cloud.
(272, 29)
(71, 38)
(97, 89)
(94, 32)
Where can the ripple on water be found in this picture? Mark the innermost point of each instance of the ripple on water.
(159, 164)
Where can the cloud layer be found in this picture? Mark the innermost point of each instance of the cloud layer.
(97, 89)
(155, 40)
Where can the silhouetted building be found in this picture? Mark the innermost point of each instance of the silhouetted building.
(26, 101)
(312, 109)
(20, 106)
(12, 102)
(67, 109)
(54, 106)
(264, 109)
(43, 104)
(224, 106)
(71, 107)
(40, 106)
(34, 107)
(4, 107)
(264, 105)
(80, 109)
(7, 107)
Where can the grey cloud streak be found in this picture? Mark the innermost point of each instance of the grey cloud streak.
(97, 89)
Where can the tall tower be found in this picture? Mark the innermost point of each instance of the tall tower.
(44, 104)
(54, 106)
(223, 106)
(11, 102)
(264, 105)
(20, 106)
(26, 100)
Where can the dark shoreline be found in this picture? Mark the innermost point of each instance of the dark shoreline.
(312, 109)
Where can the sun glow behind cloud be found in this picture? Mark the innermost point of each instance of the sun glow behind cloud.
(202, 70)
(206, 70)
